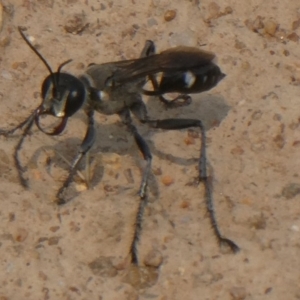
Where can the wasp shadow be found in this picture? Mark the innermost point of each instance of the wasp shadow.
(211, 110)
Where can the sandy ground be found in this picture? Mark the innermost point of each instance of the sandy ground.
(81, 250)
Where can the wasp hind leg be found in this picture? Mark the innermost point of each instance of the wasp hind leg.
(140, 111)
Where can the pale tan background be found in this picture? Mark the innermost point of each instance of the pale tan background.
(254, 138)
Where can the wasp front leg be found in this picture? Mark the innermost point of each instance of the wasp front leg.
(85, 147)
(26, 126)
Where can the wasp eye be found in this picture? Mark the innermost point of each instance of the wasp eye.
(47, 87)
(76, 97)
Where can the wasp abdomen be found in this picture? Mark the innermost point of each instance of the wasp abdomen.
(196, 80)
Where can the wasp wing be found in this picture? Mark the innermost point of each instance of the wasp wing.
(175, 59)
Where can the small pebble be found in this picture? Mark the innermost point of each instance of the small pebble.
(256, 115)
(54, 228)
(189, 140)
(238, 293)
(291, 190)
(293, 37)
(19, 64)
(296, 24)
(170, 15)
(270, 27)
(167, 180)
(245, 65)
(157, 171)
(153, 259)
(185, 204)
(141, 277)
(21, 235)
(295, 228)
(228, 10)
(286, 52)
(4, 41)
(238, 150)
(54, 240)
(102, 266)
(279, 141)
(76, 23)
(214, 10)
(81, 187)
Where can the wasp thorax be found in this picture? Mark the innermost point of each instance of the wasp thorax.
(63, 95)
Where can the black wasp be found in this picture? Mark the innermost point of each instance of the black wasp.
(117, 88)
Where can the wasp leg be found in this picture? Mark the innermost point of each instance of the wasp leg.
(173, 124)
(179, 101)
(85, 146)
(149, 49)
(28, 122)
(144, 148)
(140, 112)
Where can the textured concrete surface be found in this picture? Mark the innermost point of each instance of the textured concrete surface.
(81, 250)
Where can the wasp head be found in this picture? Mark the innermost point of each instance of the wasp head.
(63, 95)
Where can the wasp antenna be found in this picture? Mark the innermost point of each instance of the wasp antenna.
(60, 67)
(63, 64)
(35, 50)
(55, 82)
